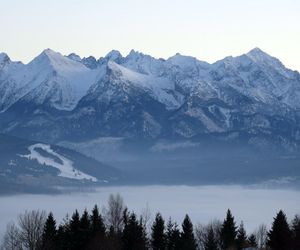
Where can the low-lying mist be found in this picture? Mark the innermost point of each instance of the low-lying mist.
(253, 205)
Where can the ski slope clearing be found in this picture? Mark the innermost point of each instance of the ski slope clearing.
(65, 166)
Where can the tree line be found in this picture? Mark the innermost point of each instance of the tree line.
(117, 228)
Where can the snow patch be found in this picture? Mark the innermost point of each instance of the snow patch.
(65, 168)
(162, 89)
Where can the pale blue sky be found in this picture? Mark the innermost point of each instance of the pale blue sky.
(208, 30)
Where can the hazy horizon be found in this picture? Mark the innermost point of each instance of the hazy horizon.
(207, 30)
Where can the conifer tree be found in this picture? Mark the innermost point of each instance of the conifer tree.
(169, 232)
(84, 229)
(187, 238)
(210, 242)
(172, 236)
(252, 241)
(228, 232)
(133, 234)
(113, 240)
(241, 237)
(158, 237)
(74, 231)
(97, 224)
(280, 235)
(296, 232)
(63, 236)
(49, 234)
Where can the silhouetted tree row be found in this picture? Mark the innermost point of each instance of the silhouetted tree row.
(116, 228)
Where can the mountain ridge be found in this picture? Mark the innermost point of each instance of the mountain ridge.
(54, 97)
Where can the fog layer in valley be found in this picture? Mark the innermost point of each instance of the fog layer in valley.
(203, 203)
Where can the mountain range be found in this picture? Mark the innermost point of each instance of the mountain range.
(58, 98)
(127, 111)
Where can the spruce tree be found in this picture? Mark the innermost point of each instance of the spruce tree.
(280, 235)
(169, 232)
(49, 234)
(296, 232)
(172, 236)
(252, 241)
(74, 231)
(187, 237)
(84, 229)
(113, 239)
(97, 224)
(210, 242)
(158, 237)
(97, 230)
(228, 232)
(61, 238)
(64, 236)
(241, 240)
(133, 237)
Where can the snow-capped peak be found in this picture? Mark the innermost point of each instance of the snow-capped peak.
(52, 78)
(179, 59)
(51, 53)
(265, 60)
(186, 62)
(4, 59)
(257, 54)
(58, 62)
(90, 62)
(47, 57)
(74, 57)
(134, 55)
(113, 55)
(161, 89)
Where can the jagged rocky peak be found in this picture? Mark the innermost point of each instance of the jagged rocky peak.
(186, 61)
(90, 62)
(4, 59)
(74, 57)
(144, 63)
(114, 55)
(47, 56)
(58, 62)
(181, 59)
(259, 56)
(51, 53)
(269, 62)
(135, 54)
(257, 52)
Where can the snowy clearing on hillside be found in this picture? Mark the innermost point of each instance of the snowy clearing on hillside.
(65, 168)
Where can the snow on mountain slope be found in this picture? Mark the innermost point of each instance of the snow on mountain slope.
(263, 59)
(144, 64)
(187, 62)
(64, 165)
(4, 60)
(114, 55)
(258, 76)
(51, 78)
(141, 96)
(61, 81)
(161, 89)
